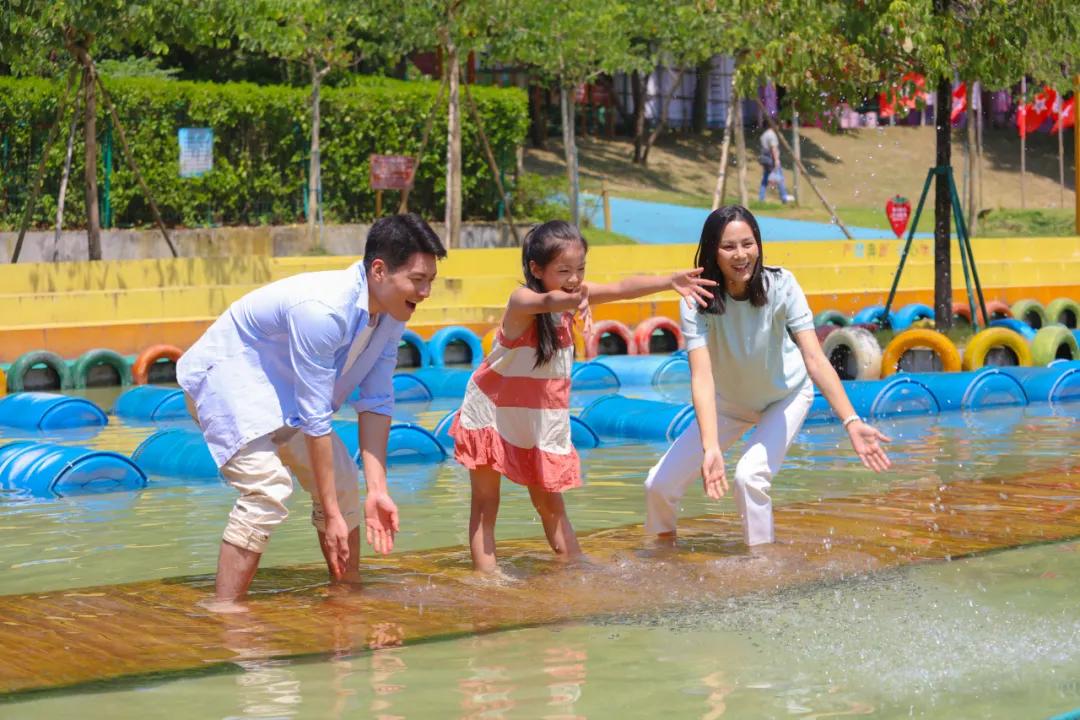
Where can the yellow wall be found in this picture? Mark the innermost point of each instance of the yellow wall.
(127, 302)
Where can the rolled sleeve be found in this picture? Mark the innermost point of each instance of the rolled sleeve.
(315, 334)
(375, 394)
(796, 308)
(693, 325)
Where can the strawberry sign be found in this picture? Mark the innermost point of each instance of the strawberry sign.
(898, 210)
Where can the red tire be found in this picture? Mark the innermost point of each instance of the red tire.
(645, 329)
(140, 370)
(609, 327)
(996, 308)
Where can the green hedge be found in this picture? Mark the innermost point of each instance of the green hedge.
(261, 136)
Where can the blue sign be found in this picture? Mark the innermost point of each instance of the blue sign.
(196, 151)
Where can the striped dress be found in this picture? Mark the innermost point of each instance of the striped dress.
(515, 417)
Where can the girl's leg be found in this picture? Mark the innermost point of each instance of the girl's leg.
(560, 533)
(485, 506)
(677, 469)
(765, 452)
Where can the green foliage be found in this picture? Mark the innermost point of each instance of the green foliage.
(260, 146)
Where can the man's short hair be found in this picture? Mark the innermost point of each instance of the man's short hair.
(396, 238)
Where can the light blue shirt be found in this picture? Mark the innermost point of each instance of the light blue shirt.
(755, 362)
(277, 358)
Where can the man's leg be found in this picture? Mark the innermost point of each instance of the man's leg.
(347, 485)
(264, 485)
(765, 170)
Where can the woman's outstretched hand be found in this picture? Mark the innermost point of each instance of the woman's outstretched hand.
(692, 286)
(866, 441)
(713, 473)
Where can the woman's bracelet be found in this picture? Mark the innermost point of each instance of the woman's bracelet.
(850, 419)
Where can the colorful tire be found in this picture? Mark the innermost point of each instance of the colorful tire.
(872, 314)
(413, 340)
(610, 327)
(918, 338)
(995, 337)
(80, 369)
(140, 369)
(906, 316)
(455, 333)
(488, 341)
(996, 308)
(1064, 311)
(854, 352)
(644, 331)
(834, 318)
(824, 331)
(3, 383)
(1054, 342)
(16, 379)
(1017, 326)
(1030, 312)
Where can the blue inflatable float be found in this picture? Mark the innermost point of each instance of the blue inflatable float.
(176, 453)
(442, 339)
(49, 411)
(430, 383)
(150, 403)
(408, 443)
(651, 420)
(45, 470)
(1057, 383)
(644, 370)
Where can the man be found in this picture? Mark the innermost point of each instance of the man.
(266, 378)
(772, 170)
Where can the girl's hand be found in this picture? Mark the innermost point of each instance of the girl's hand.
(865, 440)
(583, 311)
(691, 286)
(712, 472)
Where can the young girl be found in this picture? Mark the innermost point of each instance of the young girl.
(754, 359)
(515, 418)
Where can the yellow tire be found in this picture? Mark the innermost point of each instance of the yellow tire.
(488, 341)
(3, 383)
(996, 337)
(919, 338)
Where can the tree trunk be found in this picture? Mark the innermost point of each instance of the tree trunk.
(725, 150)
(453, 148)
(796, 144)
(1061, 165)
(637, 90)
(740, 149)
(942, 208)
(61, 196)
(1023, 145)
(314, 166)
(93, 220)
(972, 159)
(979, 157)
(700, 114)
(538, 130)
(665, 106)
(566, 102)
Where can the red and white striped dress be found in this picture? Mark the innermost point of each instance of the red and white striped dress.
(515, 417)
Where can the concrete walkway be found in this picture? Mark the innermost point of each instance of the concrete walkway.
(661, 223)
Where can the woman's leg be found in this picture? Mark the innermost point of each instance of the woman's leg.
(765, 170)
(560, 533)
(765, 452)
(677, 469)
(485, 506)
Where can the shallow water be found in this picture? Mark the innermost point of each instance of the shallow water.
(992, 636)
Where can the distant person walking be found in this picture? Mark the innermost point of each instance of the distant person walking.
(772, 171)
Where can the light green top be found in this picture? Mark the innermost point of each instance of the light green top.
(755, 362)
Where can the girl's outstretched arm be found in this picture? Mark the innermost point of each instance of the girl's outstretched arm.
(687, 283)
(703, 394)
(864, 438)
(524, 304)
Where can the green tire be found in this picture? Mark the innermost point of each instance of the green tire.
(16, 381)
(1030, 312)
(1054, 342)
(831, 317)
(1063, 311)
(80, 369)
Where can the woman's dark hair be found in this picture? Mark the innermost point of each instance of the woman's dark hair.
(711, 233)
(542, 245)
(396, 238)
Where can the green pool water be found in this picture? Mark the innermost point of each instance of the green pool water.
(990, 636)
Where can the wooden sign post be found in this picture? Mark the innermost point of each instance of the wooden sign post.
(390, 172)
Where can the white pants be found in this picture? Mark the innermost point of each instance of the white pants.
(680, 466)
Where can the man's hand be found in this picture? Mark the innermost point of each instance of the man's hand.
(381, 516)
(337, 545)
(713, 473)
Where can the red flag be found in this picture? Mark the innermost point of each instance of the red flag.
(1066, 116)
(959, 101)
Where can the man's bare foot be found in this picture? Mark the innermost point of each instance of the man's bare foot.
(223, 607)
